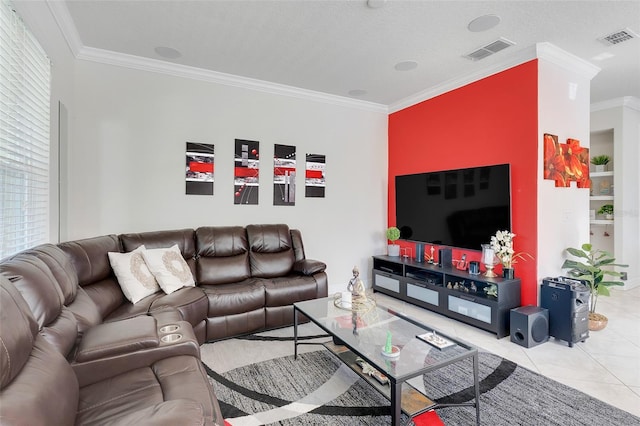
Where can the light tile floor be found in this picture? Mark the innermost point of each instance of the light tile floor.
(606, 366)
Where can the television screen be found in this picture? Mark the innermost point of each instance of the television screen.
(458, 208)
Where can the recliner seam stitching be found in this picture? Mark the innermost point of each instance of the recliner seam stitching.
(117, 397)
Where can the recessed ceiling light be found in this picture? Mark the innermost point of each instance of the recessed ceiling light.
(483, 23)
(357, 92)
(167, 52)
(376, 4)
(406, 65)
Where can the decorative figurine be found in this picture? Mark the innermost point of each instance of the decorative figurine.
(388, 347)
(356, 286)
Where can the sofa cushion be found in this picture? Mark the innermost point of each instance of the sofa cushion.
(190, 302)
(222, 255)
(230, 299)
(169, 268)
(38, 286)
(134, 277)
(270, 250)
(285, 291)
(184, 238)
(89, 257)
(115, 400)
(31, 369)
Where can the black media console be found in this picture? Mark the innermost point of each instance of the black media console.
(449, 291)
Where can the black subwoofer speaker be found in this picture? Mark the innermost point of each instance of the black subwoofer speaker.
(529, 326)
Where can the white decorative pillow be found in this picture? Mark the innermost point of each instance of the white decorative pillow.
(135, 279)
(169, 268)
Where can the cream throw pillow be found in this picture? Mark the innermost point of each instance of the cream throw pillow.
(135, 279)
(169, 268)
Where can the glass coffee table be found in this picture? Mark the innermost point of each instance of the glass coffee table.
(361, 336)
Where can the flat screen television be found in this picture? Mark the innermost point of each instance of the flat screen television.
(458, 208)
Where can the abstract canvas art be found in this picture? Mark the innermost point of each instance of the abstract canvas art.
(284, 175)
(315, 175)
(199, 169)
(564, 163)
(246, 172)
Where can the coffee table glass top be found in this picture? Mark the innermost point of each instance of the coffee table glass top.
(366, 334)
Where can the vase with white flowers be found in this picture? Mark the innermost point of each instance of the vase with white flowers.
(502, 245)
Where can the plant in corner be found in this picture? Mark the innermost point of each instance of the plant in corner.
(393, 234)
(592, 270)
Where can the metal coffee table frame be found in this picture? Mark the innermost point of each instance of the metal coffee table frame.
(363, 335)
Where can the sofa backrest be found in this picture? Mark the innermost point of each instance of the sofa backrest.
(222, 255)
(91, 262)
(184, 238)
(37, 385)
(31, 275)
(271, 251)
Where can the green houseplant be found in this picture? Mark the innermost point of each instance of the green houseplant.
(393, 234)
(606, 210)
(600, 161)
(590, 267)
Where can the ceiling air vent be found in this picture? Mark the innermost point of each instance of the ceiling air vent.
(489, 49)
(618, 37)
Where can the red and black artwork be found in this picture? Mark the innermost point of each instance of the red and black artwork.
(315, 175)
(284, 175)
(199, 169)
(246, 172)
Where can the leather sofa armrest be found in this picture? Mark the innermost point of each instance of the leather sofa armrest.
(118, 337)
(309, 266)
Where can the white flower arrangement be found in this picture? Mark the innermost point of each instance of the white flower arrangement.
(502, 245)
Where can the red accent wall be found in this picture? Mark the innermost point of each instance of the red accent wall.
(490, 121)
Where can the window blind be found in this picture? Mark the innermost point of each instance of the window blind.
(25, 74)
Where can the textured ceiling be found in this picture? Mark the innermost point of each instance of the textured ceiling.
(335, 47)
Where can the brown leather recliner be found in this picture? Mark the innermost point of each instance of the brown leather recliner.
(39, 387)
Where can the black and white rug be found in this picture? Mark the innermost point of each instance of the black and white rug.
(318, 389)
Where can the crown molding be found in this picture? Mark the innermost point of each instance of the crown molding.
(64, 21)
(194, 73)
(562, 58)
(544, 51)
(518, 58)
(626, 101)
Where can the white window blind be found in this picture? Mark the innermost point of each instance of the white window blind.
(25, 74)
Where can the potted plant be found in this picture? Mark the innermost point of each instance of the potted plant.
(502, 245)
(607, 211)
(393, 234)
(600, 161)
(590, 269)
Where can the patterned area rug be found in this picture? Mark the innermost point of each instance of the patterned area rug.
(317, 389)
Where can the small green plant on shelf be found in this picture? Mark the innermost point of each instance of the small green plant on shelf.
(600, 160)
(393, 233)
(606, 210)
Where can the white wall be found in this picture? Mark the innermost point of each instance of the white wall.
(623, 117)
(563, 110)
(126, 162)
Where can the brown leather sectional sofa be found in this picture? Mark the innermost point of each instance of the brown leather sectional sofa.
(76, 351)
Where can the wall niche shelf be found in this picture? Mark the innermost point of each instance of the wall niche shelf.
(601, 174)
(425, 285)
(601, 222)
